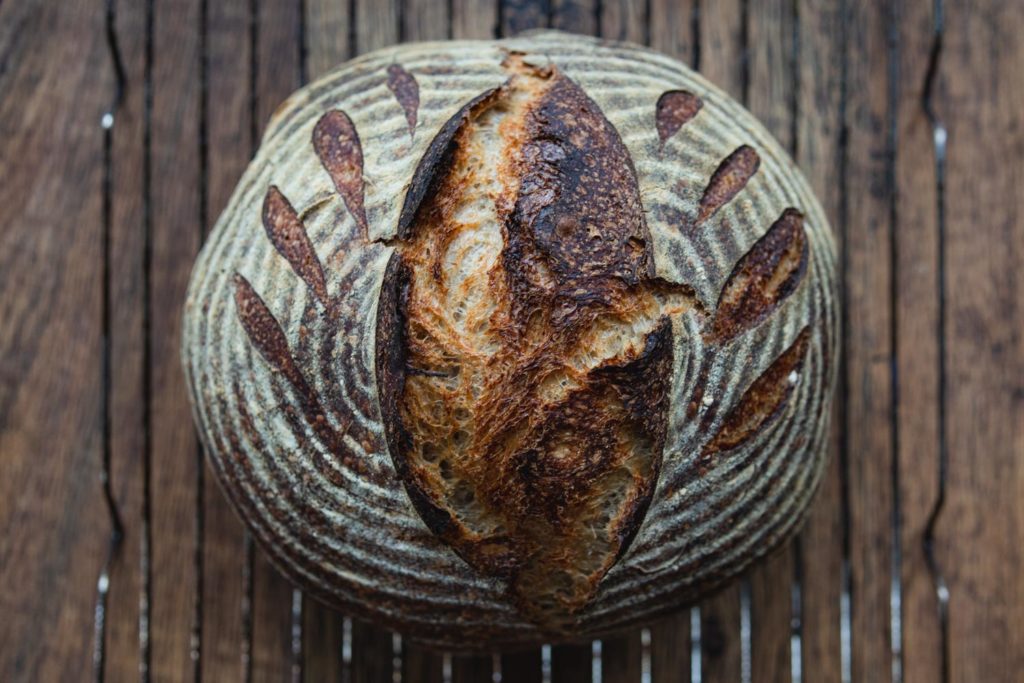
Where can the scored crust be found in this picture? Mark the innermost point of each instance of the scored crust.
(614, 443)
(524, 345)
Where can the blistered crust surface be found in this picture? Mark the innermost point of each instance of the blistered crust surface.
(282, 364)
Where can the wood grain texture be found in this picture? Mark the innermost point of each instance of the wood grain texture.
(917, 351)
(720, 636)
(127, 305)
(770, 93)
(818, 152)
(624, 20)
(174, 242)
(56, 81)
(621, 658)
(523, 15)
(472, 668)
(578, 16)
(327, 30)
(670, 648)
(979, 533)
(868, 351)
(474, 19)
(51, 510)
(230, 141)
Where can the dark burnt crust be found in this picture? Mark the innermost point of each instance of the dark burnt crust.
(436, 162)
(391, 369)
(673, 110)
(579, 204)
(731, 176)
(647, 400)
(763, 401)
(288, 235)
(406, 90)
(336, 142)
(576, 250)
(762, 279)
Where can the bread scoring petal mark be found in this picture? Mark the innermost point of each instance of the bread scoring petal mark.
(729, 178)
(268, 338)
(337, 145)
(762, 279)
(288, 235)
(406, 90)
(674, 109)
(763, 401)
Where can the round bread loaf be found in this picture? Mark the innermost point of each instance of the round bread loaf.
(515, 341)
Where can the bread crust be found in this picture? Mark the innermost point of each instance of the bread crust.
(535, 341)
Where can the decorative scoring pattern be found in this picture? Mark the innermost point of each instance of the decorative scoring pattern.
(283, 376)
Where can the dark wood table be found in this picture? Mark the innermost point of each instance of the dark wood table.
(105, 200)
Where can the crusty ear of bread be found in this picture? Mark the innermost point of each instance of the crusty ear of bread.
(524, 345)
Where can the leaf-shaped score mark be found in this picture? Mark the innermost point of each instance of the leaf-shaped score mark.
(763, 401)
(729, 178)
(762, 279)
(406, 90)
(266, 335)
(337, 145)
(674, 109)
(268, 338)
(288, 235)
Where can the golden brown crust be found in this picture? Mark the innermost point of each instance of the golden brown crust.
(530, 441)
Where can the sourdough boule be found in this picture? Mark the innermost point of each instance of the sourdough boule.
(515, 341)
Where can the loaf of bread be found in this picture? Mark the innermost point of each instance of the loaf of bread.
(515, 341)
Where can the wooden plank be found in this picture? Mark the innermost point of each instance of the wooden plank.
(229, 131)
(524, 15)
(917, 349)
(472, 668)
(126, 308)
(55, 84)
(174, 238)
(327, 45)
(420, 665)
(721, 45)
(621, 658)
(327, 35)
(672, 25)
(425, 20)
(867, 335)
(376, 24)
(522, 666)
(624, 20)
(980, 532)
(474, 19)
(578, 16)
(770, 94)
(572, 663)
(670, 648)
(819, 124)
(372, 654)
(720, 636)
